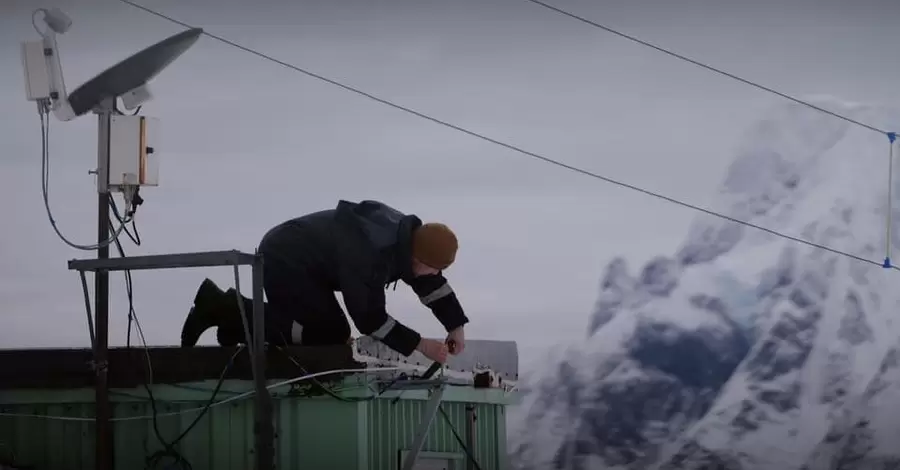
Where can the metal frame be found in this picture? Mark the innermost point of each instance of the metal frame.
(431, 410)
(264, 429)
(104, 446)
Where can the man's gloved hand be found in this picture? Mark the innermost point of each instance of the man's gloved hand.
(457, 341)
(433, 349)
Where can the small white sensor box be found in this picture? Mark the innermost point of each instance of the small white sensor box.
(133, 151)
(37, 78)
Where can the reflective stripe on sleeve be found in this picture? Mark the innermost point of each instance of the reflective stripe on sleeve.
(438, 293)
(385, 328)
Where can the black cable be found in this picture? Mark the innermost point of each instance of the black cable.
(516, 149)
(129, 286)
(367, 95)
(136, 237)
(705, 66)
(328, 390)
(43, 107)
(377, 395)
(459, 439)
(169, 447)
(136, 198)
(168, 450)
(526, 152)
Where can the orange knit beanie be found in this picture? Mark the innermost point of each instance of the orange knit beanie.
(435, 245)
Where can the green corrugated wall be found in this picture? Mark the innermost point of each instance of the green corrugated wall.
(311, 433)
(316, 433)
(393, 426)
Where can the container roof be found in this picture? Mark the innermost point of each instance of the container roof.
(71, 368)
(55, 368)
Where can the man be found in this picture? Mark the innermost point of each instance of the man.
(358, 249)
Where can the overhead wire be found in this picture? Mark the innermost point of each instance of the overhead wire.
(532, 154)
(705, 66)
(169, 447)
(892, 136)
(547, 159)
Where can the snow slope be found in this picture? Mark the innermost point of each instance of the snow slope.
(743, 350)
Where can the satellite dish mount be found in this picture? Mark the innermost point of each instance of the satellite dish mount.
(126, 155)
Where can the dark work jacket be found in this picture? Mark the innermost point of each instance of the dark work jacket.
(359, 249)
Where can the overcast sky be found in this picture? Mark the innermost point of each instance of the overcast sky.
(247, 143)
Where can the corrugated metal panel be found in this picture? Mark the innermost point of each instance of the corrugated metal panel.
(26, 439)
(223, 439)
(392, 427)
(311, 433)
(318, 433)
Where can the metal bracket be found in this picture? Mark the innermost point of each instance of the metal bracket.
(431, 411)
(263, 424)
(87, 306)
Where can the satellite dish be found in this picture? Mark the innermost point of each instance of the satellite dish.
(131, 73)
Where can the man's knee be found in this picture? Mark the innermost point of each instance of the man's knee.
(323, 328)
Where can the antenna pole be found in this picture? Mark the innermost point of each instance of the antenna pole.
(104, 448)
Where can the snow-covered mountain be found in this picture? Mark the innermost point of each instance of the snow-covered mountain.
(745, 350)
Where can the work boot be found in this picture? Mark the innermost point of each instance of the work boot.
(231, 331)
(212, 308)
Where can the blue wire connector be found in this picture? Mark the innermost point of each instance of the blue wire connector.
(892, 136)
(887, 263)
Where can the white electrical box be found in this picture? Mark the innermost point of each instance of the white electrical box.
(37, 78)
(133, 151)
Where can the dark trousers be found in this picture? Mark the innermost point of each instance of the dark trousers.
(294, 295)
